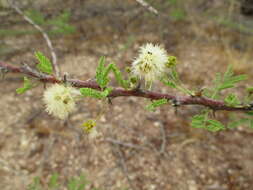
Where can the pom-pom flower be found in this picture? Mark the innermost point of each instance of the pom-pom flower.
(151, 63)
(60, 100)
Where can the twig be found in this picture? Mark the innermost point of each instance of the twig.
(128, 145)
(147, 6)
(163, 133)
(117, 92)
(122, 163)
(44, 34)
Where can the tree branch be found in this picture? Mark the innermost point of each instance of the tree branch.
(117, 92)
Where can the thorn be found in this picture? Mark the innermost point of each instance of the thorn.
(65, 76)
(175, 103)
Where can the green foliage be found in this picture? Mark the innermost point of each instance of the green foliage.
(77, 183)
(228, 80)
(198, 121)
(214, 125)
(74, 183)
(95, 93)
(118, 75)
(155, 104)
(53, 182)
(101, 76)
(202, 121)
(232, 100)
(27, 85)
(36, 185)
(103, 72)
(44, 63)
(172, 80)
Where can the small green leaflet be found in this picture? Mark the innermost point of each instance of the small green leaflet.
(95, 93)
(44, 63)
(232, 100)
(103, 72)
(214, 125)
(124, 83)
(156, 103)
(77, 183)
(229, 80)
(101, 77)
(169, 83)
(198, 121)
(237, 123)
(53, 181)
(27, 85)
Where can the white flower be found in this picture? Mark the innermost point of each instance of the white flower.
(151, 63)
(60, 100)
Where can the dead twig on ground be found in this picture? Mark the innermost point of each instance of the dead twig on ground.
(128, 145)
(147, 6)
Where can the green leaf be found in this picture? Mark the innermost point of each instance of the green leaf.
(36, 185)
(27, 85)
(228, 80)
(236, 123)
(214, 125)
(118, 75)
(169, 83)
(198, 121)
(44, 63)
(53, 181)
(232, 100)
(156, 103)
(101, 78)
(174, 74)
(103, 72)
(95, 93)
(77, 183)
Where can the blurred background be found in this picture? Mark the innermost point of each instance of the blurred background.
(138, 149)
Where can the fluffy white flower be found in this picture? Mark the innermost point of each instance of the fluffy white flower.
(60, 100)
(151, 63)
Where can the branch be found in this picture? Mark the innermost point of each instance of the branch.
(147, 6)
(117, 92)
(44, 34)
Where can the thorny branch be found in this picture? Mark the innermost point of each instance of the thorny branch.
(117, 92)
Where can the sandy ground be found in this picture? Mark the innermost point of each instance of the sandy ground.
(137, 149)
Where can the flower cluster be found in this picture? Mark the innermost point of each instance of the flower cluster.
(60, 100)
(151, 63)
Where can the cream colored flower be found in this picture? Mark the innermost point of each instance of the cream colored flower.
(151, 63)
(60, 100)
